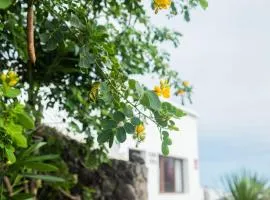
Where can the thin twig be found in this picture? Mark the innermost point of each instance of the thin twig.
(69, 195)
(8, 186)
(131, 102)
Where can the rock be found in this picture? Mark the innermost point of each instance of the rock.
(108, 187)
(126, 192)
(145, 172)
(117, 180)
(137, 158)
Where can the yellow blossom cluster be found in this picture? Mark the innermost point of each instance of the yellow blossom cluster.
(140, 134)
(163, 89)
(182, 91)
(161, 4)
(10, 78)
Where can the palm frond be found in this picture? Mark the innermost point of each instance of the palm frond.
(245, 186)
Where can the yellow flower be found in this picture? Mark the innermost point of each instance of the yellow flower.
(185, 84)
(158, 90)
(140, 134)
(161, 4)
(140, 129)
(166, 92)
(12, 78)
(181, 92)
(12, 75)
(163, 90)
(12, 83)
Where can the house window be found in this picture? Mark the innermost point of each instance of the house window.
(171, 174)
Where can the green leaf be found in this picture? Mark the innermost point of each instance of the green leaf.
(186, 15)
(169, 141)
(173, 128)
(3, 197)
(108, 124)
(111, 140)
(42, 158)
(134, 85)
(105, 93)
(18, 108)
(47, 178)
(204, 3)
(4, 4)
(23, 196)
(179, 113)
(51, 39)
(44, 37)
(172, 123)
(17, 180)
(32, 149)
(165, 134)
(151, 100)
(128, 111)
(121, 134)
(10, 155)
(76, 22)
(129, 128)
(104, 136)
(161, 119)
(135, 121)
(11, 92)
(2, 123)
(86, 58)
(15, 132)
(165, 149)
(172, 110)
(42, 167)
(118, 116)
(25, 120)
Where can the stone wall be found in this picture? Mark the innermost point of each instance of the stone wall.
(119, 180)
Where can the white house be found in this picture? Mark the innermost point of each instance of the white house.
(175, 177)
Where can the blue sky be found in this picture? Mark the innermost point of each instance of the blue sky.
(225, 54)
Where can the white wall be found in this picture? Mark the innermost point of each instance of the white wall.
(184, 146)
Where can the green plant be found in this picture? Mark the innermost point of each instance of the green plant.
(14, 119)
(246, 186)
(22, 179)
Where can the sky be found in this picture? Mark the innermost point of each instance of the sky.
(224, 53)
